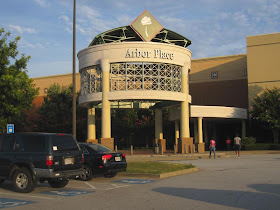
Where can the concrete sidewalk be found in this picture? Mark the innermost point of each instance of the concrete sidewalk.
(169, 155)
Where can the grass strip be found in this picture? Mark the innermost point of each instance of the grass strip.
(155, 167)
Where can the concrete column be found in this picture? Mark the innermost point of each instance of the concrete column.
(177, 134)
(158, 124)
(201, 144)
(91, 125)
(106, 139)
(200, 130)
(106, 109)
(243, 128)
(185, 144)
(185, 123)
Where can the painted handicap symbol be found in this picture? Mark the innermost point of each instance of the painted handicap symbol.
(7, 203)
(67, 192)
(134, 181)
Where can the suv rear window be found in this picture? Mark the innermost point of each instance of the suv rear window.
(64, 142)
(31, 143)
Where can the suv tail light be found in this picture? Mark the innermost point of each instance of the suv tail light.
(49, 160)
(83, 158)
(123, 156)
(106, 157)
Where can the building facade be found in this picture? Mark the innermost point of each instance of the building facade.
(151, 65)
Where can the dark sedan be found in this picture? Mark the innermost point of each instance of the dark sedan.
(100, 160)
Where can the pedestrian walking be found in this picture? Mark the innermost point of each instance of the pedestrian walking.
(212, 147)
(237, 145)
(228, 141)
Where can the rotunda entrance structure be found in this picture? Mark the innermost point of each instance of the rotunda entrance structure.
(142, 61)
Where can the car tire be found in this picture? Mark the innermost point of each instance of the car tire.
(110, 175)
(58, 183)
(87, 173)
(22, 181)
(2, 180)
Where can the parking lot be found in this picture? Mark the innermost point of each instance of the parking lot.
(251, 182)
(44, 194)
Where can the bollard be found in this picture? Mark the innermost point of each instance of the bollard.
(161, 149)
(175, 149)
(186, 151)
(131, 149)
(116, 148)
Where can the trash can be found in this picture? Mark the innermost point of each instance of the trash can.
(156, 149)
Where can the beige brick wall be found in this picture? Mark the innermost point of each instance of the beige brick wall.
(63, 79)
(228, 67)
(263, 63)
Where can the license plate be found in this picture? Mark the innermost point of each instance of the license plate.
(117, 158)
(68, 161)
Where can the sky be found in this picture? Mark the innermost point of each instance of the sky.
(215, 27)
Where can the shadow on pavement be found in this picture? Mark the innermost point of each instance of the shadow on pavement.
(230, 198)
(267, 188)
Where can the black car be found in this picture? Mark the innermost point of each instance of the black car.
(28, 158)
(100, 160)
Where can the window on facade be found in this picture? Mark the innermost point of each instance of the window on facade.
(214, 75)
(145, 76)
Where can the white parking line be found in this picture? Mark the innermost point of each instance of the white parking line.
(91, 186)
(30, 196)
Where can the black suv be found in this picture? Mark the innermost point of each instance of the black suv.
(28, 158)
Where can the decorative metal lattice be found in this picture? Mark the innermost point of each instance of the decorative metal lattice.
(91, 80)
(146, 76)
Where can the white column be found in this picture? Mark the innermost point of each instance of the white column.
(177, 133)
(91, 123)
(200, 130)
(185, 123)
(106, 109)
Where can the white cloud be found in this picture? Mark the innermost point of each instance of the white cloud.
(42, 3)
(26, 44)
(22, 30)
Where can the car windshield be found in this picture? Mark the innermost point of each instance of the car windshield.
(64, 142)
(100, 148)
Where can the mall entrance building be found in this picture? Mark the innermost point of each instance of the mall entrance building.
(146, 63)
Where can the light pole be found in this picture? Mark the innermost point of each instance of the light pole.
(74, 72)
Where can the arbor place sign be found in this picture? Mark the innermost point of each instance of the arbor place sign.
(156, 53)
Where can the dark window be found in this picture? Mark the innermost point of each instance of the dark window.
(8, 143)
(214, 75)
(64, 142)
(31, 143)
(85, 151)
(100, 148)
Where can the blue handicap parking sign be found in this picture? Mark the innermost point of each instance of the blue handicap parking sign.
(67, 192)
(7, 202)
(134, 181)
(10, 128)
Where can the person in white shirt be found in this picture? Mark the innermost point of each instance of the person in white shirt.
(237, 144)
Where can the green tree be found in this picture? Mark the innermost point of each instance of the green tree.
(266, 110)
(16, 89)
(55, 114)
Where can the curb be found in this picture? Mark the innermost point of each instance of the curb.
(164, 175)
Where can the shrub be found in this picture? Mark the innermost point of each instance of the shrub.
(262, 147)
(248, 140)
